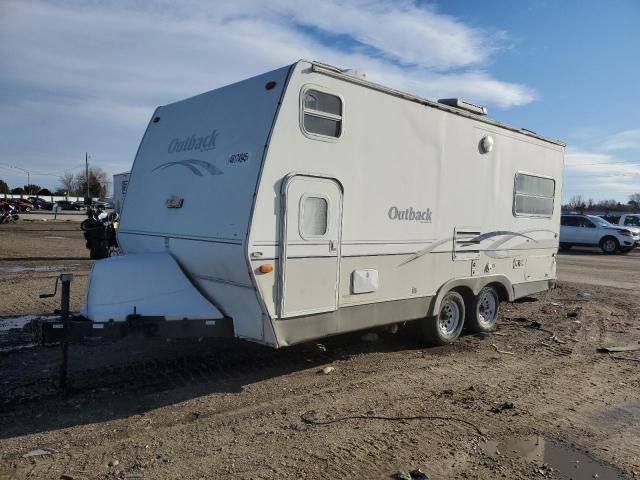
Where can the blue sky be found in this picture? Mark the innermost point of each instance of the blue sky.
(80, 76)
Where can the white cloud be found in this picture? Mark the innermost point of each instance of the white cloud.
(600, 164)
(598, 175)
(626, 140)
(399, 30)
(82, 67)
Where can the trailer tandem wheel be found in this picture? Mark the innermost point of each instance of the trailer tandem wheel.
(482, 311)
(445, 328)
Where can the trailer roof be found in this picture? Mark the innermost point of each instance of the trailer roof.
(340, 73)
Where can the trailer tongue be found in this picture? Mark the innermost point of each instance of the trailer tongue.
(145, 293)
(146, 284)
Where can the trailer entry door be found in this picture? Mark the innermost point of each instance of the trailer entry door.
(310, 245)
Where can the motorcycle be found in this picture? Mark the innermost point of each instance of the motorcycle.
(100, 230)
(8, 213)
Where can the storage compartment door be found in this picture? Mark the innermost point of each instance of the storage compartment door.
(310, 245)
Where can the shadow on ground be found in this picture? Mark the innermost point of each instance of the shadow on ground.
(133, 376)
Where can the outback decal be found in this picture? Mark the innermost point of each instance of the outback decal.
(203, 143)
(194, 165)
(411, 215)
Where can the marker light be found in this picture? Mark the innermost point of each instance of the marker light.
(267, 268)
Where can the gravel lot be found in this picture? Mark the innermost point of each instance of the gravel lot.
(173, 410)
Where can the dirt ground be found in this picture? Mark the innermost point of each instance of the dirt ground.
(182, 410)
(32, 255)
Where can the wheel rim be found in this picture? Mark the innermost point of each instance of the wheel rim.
(609, 245)
(449, 318)
(487, 308)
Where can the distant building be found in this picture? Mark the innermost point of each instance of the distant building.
(120, 184)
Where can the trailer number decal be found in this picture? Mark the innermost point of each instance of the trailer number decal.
(174, 202)
(239, 158)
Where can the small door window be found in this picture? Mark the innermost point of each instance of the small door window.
(321, 113)
(313, 222)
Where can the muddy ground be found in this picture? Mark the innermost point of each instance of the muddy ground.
(178, 410)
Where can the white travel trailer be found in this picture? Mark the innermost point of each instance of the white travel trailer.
(308, 202)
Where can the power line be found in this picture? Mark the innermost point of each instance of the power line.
(6, 166)
(631, 164)
(603, 175)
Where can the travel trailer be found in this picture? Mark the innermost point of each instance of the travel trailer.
(308, 201)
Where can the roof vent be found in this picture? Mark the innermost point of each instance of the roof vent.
(352, 72)
(470, 107)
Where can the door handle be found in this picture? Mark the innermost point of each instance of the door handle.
(332, 246)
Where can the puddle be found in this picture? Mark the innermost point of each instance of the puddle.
(18, 323)
(568, 463)
(56, 238)
(41, 268)
(16, 348)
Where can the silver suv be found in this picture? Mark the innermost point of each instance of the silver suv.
(593, 231)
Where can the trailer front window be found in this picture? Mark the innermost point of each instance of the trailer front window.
(533, 195)
(321, 113)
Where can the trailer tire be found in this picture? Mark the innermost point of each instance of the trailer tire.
(445, 328)
(565, 247)
(482, 312)
(97, 253)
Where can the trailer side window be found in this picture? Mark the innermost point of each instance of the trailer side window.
(533, 195)
(321, 113)
(314, 217)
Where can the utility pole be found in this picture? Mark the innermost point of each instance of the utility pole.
(86, 163)
(28, 185)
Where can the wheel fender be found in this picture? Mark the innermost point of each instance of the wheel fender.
(475, 284)
(608, 235)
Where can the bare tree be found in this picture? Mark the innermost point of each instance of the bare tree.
(68, 183)
(576, 202)
(634, 199)
(98, 179)
(608, 204)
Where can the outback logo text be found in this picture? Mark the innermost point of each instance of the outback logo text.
(410, 215)
(193, 142)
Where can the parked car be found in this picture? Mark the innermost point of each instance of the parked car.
(67, 205)
(105, 204)
(593, 231)
(40, 203)
(625, 219)
(20, 204)
(80, 204)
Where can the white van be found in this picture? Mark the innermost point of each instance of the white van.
(307, 202)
